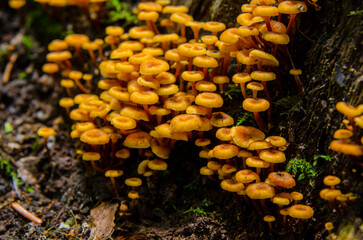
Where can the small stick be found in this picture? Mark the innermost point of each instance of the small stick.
(9, 67)
(26, 213)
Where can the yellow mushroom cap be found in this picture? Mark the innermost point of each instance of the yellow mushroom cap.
(46, 132)
(276, 141)
(277, 38)
(214, 26)
(95, 136)
(180, 17)
(260, 190)
(331, 180)
(206, 171)
(349, 110)
(114, 30)
(192, 76)
(282, 179)
(207, 99)
(221, 119)
(292, 7)
(153, 66)
(133, 195)
(144, 97)
(123, 122)
(149, 6)
(205, 86)
(255, 104)
(138, 140)
(347, 147)
(174, 9)
(269, 218)
(76, 40)
(301, 211)
(272, 156)
(329, 226)
(123, 153)
(232, 186)
(225, 151)
(66, 102)
(158, 165)
(256, 162)
(133, 182)
(185, 123)
(191, 50)
(113, 173)
(91, 156)
(243, 136)
(296, 196)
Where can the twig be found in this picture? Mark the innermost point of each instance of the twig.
(26, 213)
(9, 67)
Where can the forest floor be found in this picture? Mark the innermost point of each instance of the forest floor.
(76, 204)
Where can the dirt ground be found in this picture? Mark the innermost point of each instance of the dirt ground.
(77, 204)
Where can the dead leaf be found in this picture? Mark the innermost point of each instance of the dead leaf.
(102, 218)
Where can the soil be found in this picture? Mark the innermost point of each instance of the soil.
(76, 203)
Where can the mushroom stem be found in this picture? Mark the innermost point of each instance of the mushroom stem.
(264, 207)
(25, 213)
(96, 168)
(268, 24)
(114, 186)
(354, 127)
(243, 90)
(79, 54)
(80, 86)
(259, 121)
(94, 61)
(292, 20)
(270, 226)
(257, 207)
(182, 30)
(9, 67)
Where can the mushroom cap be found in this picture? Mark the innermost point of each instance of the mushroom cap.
(214, 165)
(331, 180)
(269, 218)
(58, 56)
(57, 45)
(159, 150)
(231, 185)
(247, 176)
(241, 78)
(208, 99)
(185, 123)
(205, 61)
(66, 102)
(50, 68)
(114, 30)
(301, 211)
(76, 40)
(138, 140)
(192, 76)
(247, 19)
(244, 154)
(282, 201)
(225, 151)
(245, 31)
(282, 179)
(113, 173)
(164, 131)
(84, 126)
(181, 17)
(206, 171)
(173, 9)
(244, 58)
(243, 136)
(292, 7)
(201, 142)
(158, 165)
(79, 115)
(265, 11)
(342, 134)
(260, 190)
(349, 110)
(277, 38)
(276, 141)
(229, 36)
(296, 196)
(255, 104)
(259, 145)
(134, 112)
(91, 156)
(263, 76)
(205, 86)
(347, 147)
(133, 195)
(46, 132)
(119, 93)
(223, 134)
(173, 55)
(154, 51)
(272, 156)
(166, 78)
(153, 66)
(221, 119)
(149, 6)
(79, 98)
(123, 153)
(143, 167)
(209, 39)
(256, 162)
(133, 182)
(197, 110)
(214, 26)
(330, 194)
(276, 26)
(264, 56)
(191, 50)
(95, 137)
(123, 122)
(144, 97)
(141, 32)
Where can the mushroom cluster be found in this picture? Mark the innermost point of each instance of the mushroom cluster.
(156, 87)
(348, 141)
